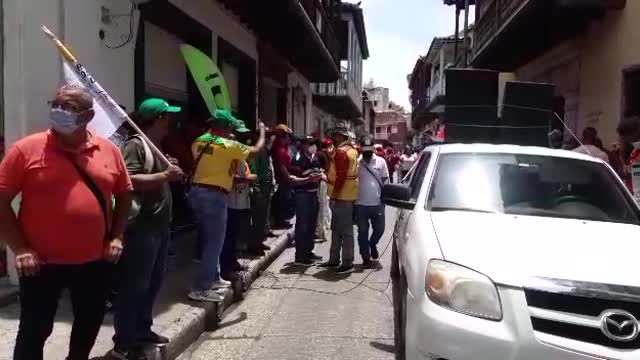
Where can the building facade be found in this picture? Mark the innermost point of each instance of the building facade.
(341, 102)
(379, 96)
(391, 127)
(132, 49)
(586, 49)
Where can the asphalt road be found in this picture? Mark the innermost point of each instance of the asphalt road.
(299, 314)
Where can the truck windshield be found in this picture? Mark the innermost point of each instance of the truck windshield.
(530, 185)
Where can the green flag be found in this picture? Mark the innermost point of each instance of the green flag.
(208, 78)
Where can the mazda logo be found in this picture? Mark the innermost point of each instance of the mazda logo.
(619, 325)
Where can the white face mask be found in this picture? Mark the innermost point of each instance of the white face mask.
(313, 149)
(64, 122)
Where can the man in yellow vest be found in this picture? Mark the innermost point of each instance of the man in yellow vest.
(343, 191)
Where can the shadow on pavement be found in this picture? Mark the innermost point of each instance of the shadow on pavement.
(241, 317)
(383, 347)
(330, 275)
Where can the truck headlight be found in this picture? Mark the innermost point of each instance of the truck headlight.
(461, 289)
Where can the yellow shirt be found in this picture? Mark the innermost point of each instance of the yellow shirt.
(344, 169)
(219, 162)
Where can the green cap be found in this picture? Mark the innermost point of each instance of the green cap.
(154, 107)
(240, 127)
(225, 118)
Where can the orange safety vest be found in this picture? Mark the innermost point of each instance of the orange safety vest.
(350, 187)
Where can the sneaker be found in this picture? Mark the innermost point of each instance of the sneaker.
(205, 295)
(329, 265)
(374, 252)
(155, 339)
(367, 264)
(220, 284)
(127, 354)
(315, 257)
(305, 263)
(344, 269)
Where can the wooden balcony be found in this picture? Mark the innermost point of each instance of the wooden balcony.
(509, 33)
(301, 30)
(340, 98)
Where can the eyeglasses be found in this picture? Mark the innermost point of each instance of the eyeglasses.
(66, 106)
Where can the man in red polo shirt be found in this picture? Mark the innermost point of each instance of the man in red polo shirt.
(282, 201)
(66, 230)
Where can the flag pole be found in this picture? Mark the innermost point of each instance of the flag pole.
(98, 92)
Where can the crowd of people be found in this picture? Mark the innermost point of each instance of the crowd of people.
(95, 218)
(622, 154)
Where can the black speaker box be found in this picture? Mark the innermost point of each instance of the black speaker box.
(471, 105)
(471, 87)
(527, 113)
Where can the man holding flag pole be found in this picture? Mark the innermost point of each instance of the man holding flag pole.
(67, 228)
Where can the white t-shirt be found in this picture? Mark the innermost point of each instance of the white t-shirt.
(370, 190)
(593, 151)
(239, 194)
(407, 161)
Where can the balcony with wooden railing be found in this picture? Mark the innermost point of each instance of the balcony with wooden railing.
(300, 30)
(342, 98)
(509, 33)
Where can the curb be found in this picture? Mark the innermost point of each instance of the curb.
(206, 316)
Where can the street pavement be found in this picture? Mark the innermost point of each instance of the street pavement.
(175, 316)
(308, 313)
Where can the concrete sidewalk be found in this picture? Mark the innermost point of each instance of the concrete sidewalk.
(178, 318)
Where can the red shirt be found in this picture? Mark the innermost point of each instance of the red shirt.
(281, 156)
(59, 216)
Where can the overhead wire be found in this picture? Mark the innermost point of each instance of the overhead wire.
(130, 35)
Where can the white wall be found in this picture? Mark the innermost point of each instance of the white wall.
(222, 23)
(165, 72)
(297, 79)
(32, 65)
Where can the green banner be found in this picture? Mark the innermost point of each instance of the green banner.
(208, 78)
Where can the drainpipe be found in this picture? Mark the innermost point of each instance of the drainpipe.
(455, 42)
(466, 33)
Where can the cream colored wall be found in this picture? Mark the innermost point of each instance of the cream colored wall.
(610, 46)
(32, 65)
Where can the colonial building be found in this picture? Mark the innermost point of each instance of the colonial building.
(341, 101)
(391, 126)
(270, 52)
(587, 49)
(379, 95)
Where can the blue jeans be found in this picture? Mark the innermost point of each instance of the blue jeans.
(143, 266)
(364, 216)
(306, 221)
(210, 209)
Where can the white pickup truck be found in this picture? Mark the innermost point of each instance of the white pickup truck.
(511, 252)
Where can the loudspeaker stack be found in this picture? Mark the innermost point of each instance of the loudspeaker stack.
(527, 113)
(471, 105)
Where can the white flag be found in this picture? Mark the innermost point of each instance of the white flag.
(108, 118)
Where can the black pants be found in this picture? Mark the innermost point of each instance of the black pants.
(238, 226)
(143, 268)
(282, 207)
(39, 297)
(260, 202)
(306, 221)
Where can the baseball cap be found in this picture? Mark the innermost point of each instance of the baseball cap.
(367, 145)
(309, 140)
(240, 126)
(282, 128)
(224, 118)
(154, 107)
